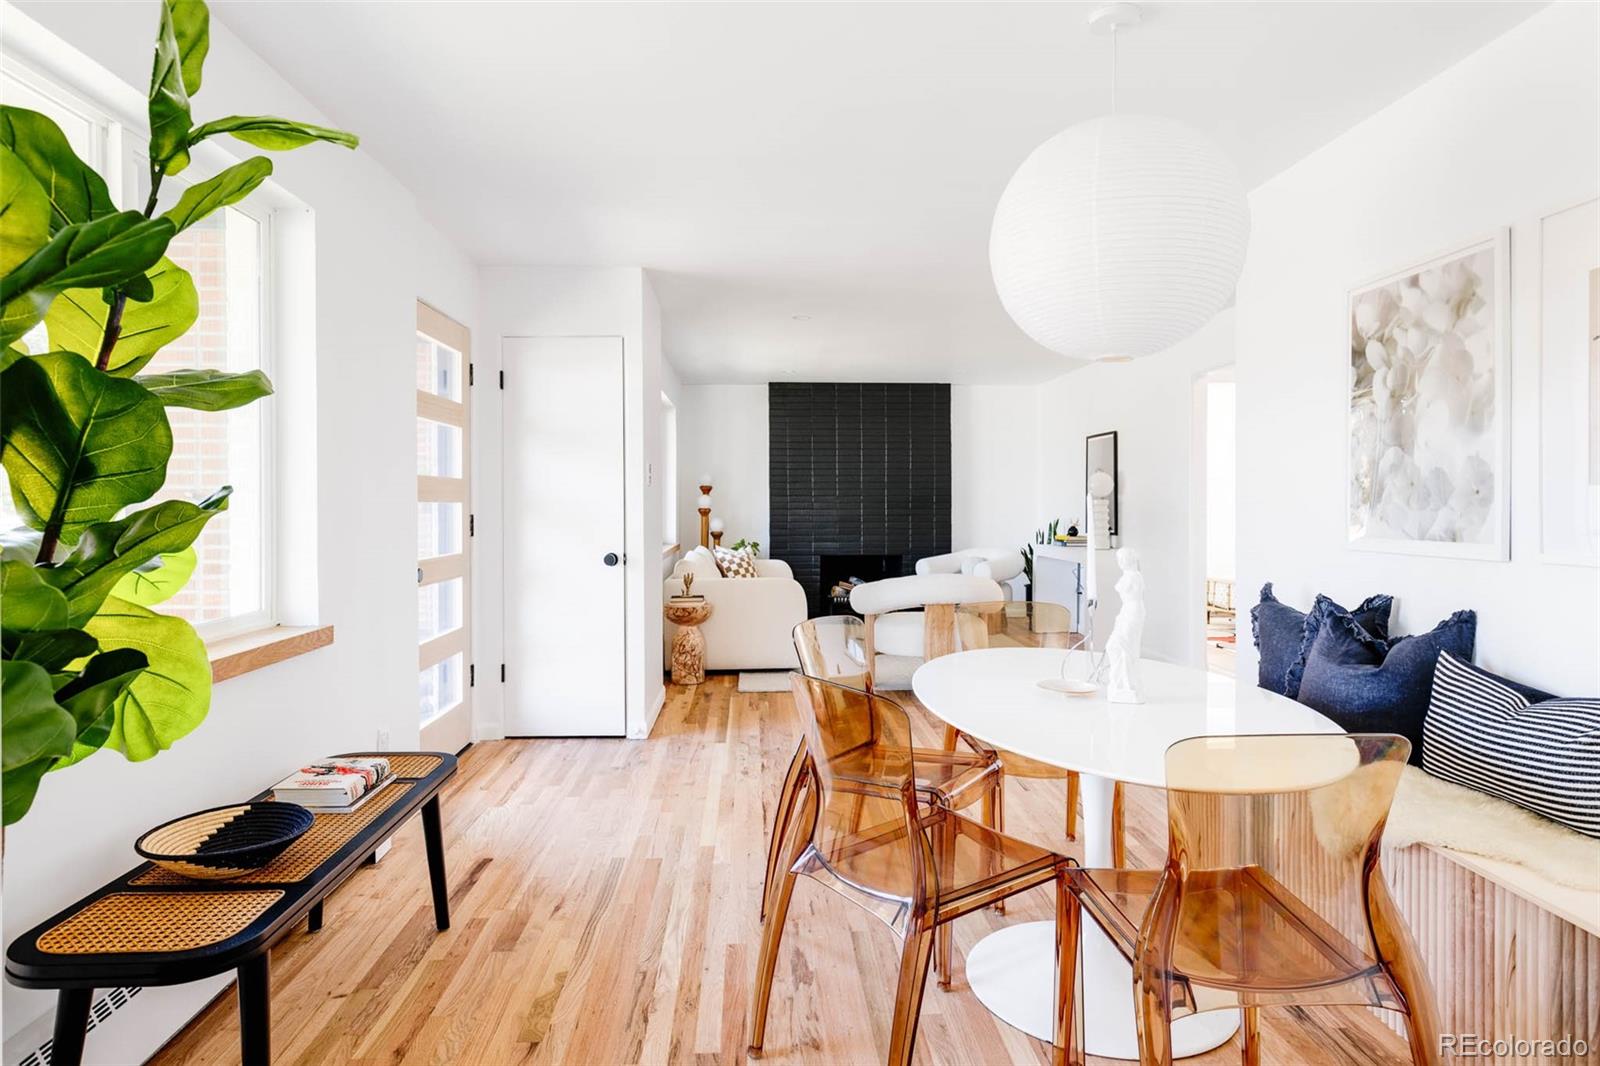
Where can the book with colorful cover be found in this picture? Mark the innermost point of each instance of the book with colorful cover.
(333, 783)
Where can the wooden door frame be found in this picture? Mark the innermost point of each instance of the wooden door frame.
(453, 729)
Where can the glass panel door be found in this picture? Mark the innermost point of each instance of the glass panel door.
(444, 527)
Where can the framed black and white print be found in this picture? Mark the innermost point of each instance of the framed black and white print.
(1429, 411)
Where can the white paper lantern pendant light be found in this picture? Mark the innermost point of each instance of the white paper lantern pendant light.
(1122, 235)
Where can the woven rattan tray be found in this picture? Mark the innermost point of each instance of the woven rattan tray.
(156, 921)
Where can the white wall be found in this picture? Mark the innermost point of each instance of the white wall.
(561, 301)
(1221, 465)
(1149, 402)
(722, 431)
(375, 256)
(994, 466)
(1507, 135)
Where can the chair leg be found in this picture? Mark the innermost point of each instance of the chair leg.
(994, 816)
(767, 962)
(914, 957)
(1068, 1050)
(780, 823)
(1251, 1032)
(946, 855)
(1119, 840)
(1404, 965)
(949, 738)
(1152, 1008)
(1072, 805)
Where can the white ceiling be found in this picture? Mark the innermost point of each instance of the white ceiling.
(841, 161)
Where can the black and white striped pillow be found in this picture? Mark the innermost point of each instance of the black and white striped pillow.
(1483, 733)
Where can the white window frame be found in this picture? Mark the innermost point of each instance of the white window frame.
(75, 83)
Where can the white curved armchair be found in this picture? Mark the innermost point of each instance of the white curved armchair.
(899, 638)
(997, 564)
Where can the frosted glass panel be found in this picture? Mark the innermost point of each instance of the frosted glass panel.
(439, 687)
(438, 608)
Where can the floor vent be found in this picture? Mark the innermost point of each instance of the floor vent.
(101, 1010)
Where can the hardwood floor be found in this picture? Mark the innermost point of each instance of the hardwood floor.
(604, 897)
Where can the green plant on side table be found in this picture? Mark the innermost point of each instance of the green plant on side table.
(87, 662)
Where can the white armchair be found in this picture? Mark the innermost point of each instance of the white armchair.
(1003, 565)
(900, 638)
(752, 618)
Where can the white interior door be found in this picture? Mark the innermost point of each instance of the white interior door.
(563, 482)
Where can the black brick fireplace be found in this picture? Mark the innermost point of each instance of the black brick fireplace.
(855, 471)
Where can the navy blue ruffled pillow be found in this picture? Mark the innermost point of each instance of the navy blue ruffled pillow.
(1371, 685)
(1282, 641)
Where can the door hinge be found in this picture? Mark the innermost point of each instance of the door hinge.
(469, 374)
(502, 379)
(472, 674)
(502, 673)
(472, 525)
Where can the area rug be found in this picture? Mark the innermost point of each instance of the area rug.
(763, 681)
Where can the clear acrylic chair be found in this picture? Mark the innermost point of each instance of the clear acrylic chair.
(861, 829)
(1273, 894)
(1031, 624)
(832, 649)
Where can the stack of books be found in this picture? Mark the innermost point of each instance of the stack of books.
(334, 784)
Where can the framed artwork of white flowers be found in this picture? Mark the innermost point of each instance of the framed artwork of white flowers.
(1429, 406)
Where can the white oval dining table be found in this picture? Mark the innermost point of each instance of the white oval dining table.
(994, 694)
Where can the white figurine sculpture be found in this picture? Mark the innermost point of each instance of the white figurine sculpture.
(1122, 647)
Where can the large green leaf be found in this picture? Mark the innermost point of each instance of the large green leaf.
(271, 133)
(34, 731)
(104, 251)
(169, 100)
(79, 444)
(229, 187)
(52, 650)
(109, 550)
(191, 26)
(75, 192)
(172, 695)
(27, 603)
(24, 213)
(207, 390)
(158, 580)
(91, 699)
(77, 319)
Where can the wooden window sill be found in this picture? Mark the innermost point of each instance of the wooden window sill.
(253, 651)
(670, 549)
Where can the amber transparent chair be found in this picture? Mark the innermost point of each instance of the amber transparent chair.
(831, 649)
(861, 829)
(1031, 624)
(1272, 894)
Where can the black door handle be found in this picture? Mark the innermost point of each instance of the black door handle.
(611, 559)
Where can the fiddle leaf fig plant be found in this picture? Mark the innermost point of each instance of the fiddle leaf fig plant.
(86, 660)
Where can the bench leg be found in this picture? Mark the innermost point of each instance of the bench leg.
(255, 1012)
(434, 836)
(72, 1025)
(314, 919)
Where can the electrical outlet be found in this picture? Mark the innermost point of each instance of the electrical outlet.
(383, 740)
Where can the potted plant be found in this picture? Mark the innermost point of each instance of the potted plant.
(87, 661)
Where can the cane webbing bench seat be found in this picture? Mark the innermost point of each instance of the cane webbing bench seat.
(154, 927)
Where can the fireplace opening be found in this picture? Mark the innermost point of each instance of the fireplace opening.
(837, 574)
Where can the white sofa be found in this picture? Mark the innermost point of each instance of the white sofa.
(752, 618)
(1003, 565)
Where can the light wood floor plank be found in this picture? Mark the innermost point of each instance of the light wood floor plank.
(604, 897)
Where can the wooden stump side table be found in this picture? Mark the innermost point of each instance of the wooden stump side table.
(688, 644)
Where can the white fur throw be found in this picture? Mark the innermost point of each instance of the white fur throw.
(1430, 811)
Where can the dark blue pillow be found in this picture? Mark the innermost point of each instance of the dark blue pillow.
(1280, 637)
(1371, 685)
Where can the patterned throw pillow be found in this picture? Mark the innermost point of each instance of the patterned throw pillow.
(1516, 743)
(736, 563)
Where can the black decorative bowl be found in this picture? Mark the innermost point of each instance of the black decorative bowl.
(225, 842)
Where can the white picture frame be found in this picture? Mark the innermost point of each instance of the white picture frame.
(1569, 385)
(1428, 440)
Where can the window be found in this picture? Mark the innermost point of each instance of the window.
(668, 472)
(226, 254)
